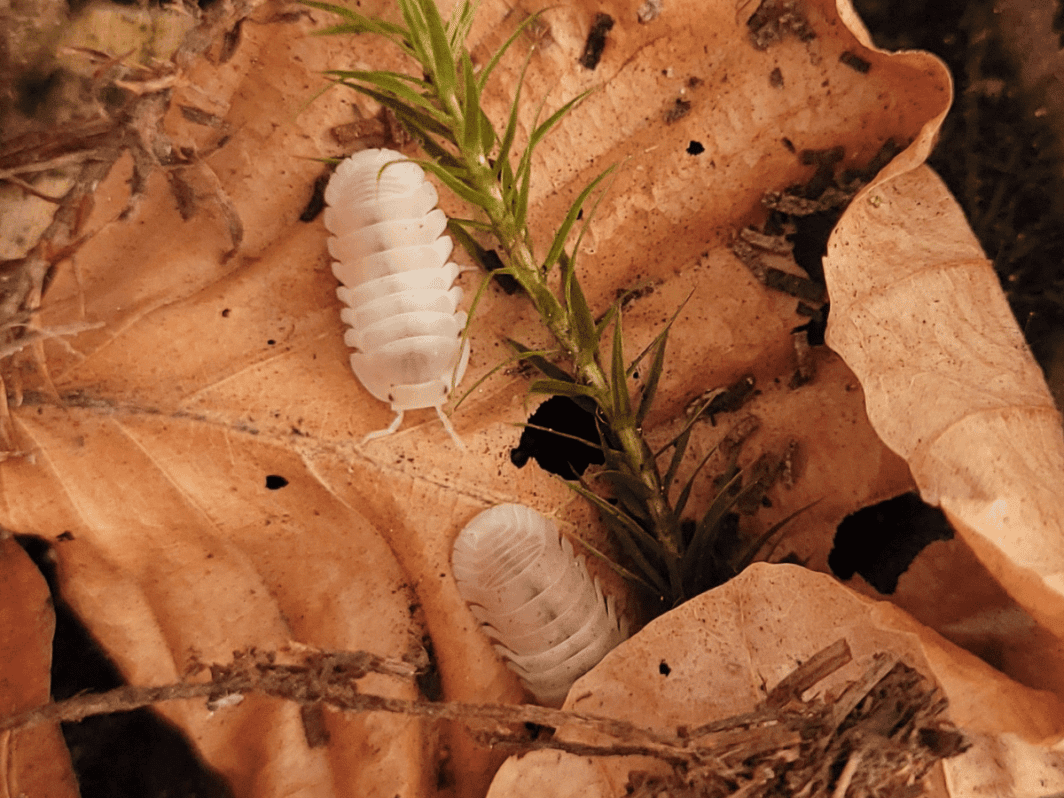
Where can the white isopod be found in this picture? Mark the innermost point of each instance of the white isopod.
(535, 598)
(402, 305)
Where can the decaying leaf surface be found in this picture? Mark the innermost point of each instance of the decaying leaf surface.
(183, 561)
(951, 386)
(201, 448)
(719, 654)
(35, 760)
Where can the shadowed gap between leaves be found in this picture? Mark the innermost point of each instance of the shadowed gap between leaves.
(881, 541)
(125, 754)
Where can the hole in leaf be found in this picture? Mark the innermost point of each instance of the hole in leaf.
(695, 148)
(664, 668)
(810, 240)
(123, 753)
(879, 542)
(558, 455)
(275, 482)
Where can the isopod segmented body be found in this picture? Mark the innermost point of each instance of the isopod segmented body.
(402, 305)
(535, 598)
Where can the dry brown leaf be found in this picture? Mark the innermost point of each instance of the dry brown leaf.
(35, 760)
(951, 386)
(719, 654)
(213, 373)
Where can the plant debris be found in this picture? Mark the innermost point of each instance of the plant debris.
(881, 734)
(878, 737)
(795, 235)
(722, 400)
(650, 10)
(774, 20)
(596, 41)
(855, 62)
(677, 111)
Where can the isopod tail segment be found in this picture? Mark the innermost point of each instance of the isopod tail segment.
(407, 397)
(398, 284)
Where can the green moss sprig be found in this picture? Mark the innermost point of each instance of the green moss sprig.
(478, 163)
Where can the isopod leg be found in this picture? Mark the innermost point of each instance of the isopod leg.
(390, 429)
(447, 425)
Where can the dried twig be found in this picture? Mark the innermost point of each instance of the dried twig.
(889, 731)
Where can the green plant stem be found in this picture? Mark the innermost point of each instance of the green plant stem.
(589, 371)
(442, 108)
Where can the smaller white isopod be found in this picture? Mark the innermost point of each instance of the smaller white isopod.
(398, 285)
(535, 598)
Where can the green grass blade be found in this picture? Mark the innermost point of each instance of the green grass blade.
(494, 62)
(471, 113)
(558, 433)
(487, 134)
(457, 228)
(627, 532)
(494, 370)
(622, 401)
(413, 118)
(680, 443)
(457, 223)
(350, 28)
(522, 180)
(748, 554)
(455, 184)
(442, 155)
(706, 531)
(611, 173)
(581, 322)
(481, 289)
(607, 317)
(382, 78)
(524, 169)
(691, 420)
(470, 316)
(538, 359)
(664, 332)
(685, 492)
(460, 22)
(558, 244)
(443, 68)
(417, 25)
(650, 386)
(504, 173)
(631, 492)
(617, 568)
(561, 388)
(401, 87)
(542, 130)
(357, 23)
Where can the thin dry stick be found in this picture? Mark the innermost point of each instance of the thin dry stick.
(773, 732)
